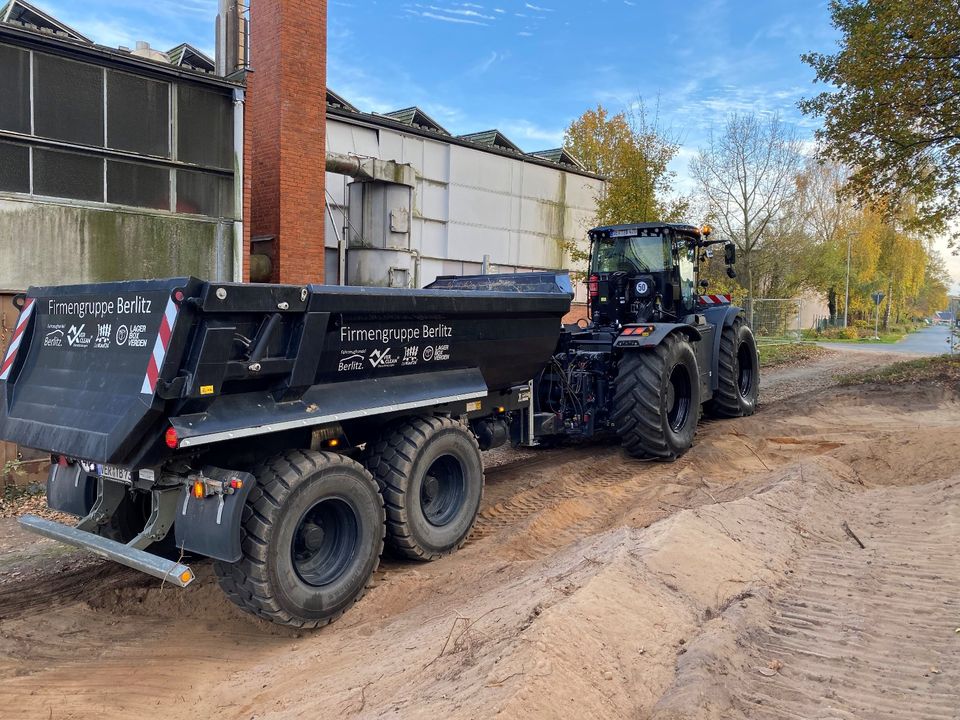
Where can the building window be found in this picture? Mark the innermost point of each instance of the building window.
(138, 185)
(67, 100)
(67, 175)
(204, 127)
(204, 194)
(138, 114)
(14, 89)
(14, 167)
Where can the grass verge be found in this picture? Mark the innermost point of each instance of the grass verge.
(792, 354)
(939, 370)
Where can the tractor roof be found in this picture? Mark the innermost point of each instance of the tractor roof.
(685, 229)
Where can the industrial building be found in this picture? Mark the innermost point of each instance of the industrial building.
(127, 163)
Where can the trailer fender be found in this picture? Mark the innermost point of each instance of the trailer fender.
(651, 335)
(70, 489)
(211, 525)
(720, 316)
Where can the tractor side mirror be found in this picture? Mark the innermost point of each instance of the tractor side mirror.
(731, 273)
(704, 284)
(730, 253)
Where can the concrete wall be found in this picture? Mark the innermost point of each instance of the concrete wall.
(469, 203)
(53, 243)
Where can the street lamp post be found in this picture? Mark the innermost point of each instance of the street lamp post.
(846, 300)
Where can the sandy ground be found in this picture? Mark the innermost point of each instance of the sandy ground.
(730, 584)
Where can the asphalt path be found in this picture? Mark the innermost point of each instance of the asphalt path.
(928, 341)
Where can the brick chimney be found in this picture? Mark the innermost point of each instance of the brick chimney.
(285, 134)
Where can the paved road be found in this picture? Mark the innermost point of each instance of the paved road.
(929, 341)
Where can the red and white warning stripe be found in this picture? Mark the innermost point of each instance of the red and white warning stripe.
(159, 349)
(716, 299)
(16, 339)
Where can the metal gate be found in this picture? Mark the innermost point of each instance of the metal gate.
(776, 320)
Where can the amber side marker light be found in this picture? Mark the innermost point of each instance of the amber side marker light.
(332, 443)
(186, 576)
(198, 490)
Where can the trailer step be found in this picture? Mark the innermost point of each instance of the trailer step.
(168, 570)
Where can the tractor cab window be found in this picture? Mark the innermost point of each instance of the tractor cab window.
(688, 281)
(633, 255)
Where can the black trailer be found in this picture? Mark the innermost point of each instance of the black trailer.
(225, 420)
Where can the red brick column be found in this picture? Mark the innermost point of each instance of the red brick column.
(286, 132)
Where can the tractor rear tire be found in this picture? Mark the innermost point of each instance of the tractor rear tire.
(312, 536)
(656, 403)
(738, 376)
(430, 474)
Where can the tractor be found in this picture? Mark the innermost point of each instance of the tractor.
(656, 350)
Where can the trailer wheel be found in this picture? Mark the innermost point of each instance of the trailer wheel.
(312, 536)
(431, 476)
(656, 404)
(738, 375)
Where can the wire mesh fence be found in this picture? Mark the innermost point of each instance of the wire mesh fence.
(776, 320)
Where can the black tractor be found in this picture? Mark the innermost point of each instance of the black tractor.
(656, 348)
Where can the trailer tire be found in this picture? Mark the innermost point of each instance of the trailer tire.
(430, 474)
(656, 403)
(738, 374)
(312, 535)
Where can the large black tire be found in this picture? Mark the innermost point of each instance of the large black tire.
(430, 473)
(656, 403)
(738, 375)
(313, 531)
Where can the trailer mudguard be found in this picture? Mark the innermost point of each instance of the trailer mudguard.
(231, 417)
(630, 338)
(70, 489)
(210, 526)
(720, 316)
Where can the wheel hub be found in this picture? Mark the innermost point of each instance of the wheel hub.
(431, 487)
(312, 536)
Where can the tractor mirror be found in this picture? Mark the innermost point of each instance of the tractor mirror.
(731, 273)
(730, 253)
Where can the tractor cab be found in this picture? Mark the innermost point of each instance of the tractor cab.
(645, 272)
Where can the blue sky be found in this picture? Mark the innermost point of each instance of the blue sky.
(530, 68)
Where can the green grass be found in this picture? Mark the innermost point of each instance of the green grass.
(789, 354)
(885, 339)
(942, 369)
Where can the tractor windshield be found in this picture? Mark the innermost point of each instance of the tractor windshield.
(650, 253)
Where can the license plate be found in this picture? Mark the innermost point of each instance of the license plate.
(114, 472)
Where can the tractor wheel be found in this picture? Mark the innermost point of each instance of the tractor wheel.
(656, 404)
(431, 476)
(312, 536)
(739, 374)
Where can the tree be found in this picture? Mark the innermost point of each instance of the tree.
(746, 175)
(895, 113)
(631, 151)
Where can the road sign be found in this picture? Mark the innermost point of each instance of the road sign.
(877, 297)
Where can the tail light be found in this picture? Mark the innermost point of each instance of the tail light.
(593, 286)
(170, 438)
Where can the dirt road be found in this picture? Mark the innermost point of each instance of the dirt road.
(722, 585)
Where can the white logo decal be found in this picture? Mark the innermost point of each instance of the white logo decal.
(77, 337)
(54, 337)
(410, 355)
(382, 358)
(122, 333)
(428, 353)
(104, 333)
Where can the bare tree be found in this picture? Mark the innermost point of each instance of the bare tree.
(746, 174)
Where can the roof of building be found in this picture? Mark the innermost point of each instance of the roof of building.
(491, 137)
(415, 116)
(186, 55)
(337, 101)
(559, 156)
(17, 12)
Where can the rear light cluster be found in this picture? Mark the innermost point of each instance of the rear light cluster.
(593, 286)
(642, 331)
(170, 438)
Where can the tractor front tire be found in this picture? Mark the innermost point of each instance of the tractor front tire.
(656, 403)
(313, 530)
(430, 474)
(738, 377)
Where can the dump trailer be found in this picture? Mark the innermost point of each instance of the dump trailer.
(189, 418)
